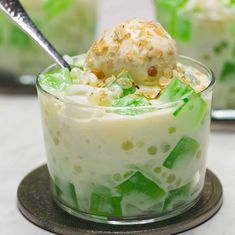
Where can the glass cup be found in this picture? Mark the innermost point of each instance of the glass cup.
(127, 165)
(209, 39)
(69, 24)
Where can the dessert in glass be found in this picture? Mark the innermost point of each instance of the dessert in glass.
(204, 30)
(21, 59)
(126, 130)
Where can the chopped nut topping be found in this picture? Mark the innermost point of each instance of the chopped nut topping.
(163, 81)
(99, 74)
(149, 92)
(168, 73)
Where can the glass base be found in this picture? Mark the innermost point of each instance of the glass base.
(127, 220)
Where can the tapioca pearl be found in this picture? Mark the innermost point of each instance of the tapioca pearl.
(165, 147)
(140, 144)
(170, 178)
(171, 130)
(77, 169)
(56, 140)
(152, 150)
(178, 182)
(157, 169)
(127, 145)
(206, 57)
(117, 177)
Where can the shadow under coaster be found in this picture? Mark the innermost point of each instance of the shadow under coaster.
(36, 204)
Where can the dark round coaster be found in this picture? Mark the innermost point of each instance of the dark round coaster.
(36, 204)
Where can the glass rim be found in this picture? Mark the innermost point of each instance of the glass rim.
(156, 106)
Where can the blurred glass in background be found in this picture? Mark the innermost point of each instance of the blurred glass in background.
(205, 30)
(68, 24)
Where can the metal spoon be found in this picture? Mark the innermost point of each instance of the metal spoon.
(16, 12)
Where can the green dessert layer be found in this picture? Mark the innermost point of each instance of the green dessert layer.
(175, 90)
(102, 205)
(65, 192)
(55, 81)
(135, 196)
(193, 109)
(177, 197)
(183, 152)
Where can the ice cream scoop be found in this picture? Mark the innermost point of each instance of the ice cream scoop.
(141, 47)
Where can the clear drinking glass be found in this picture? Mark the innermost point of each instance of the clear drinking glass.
(69, 24)
(207, 37)
(127, 165)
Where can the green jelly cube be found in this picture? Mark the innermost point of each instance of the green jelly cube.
(175, 91)
(182, 154)
(140, 193)
(57, 80)
(65, 192)
(132, 101)
(125, 80)
(105, 205)
(131, 210)
(177, 197)
(129, 91)
(138, 183)
(193, 110)
(228, 72)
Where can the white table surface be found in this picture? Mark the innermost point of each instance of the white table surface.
(22, 149)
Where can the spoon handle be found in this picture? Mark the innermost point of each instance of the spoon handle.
(16, 12)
